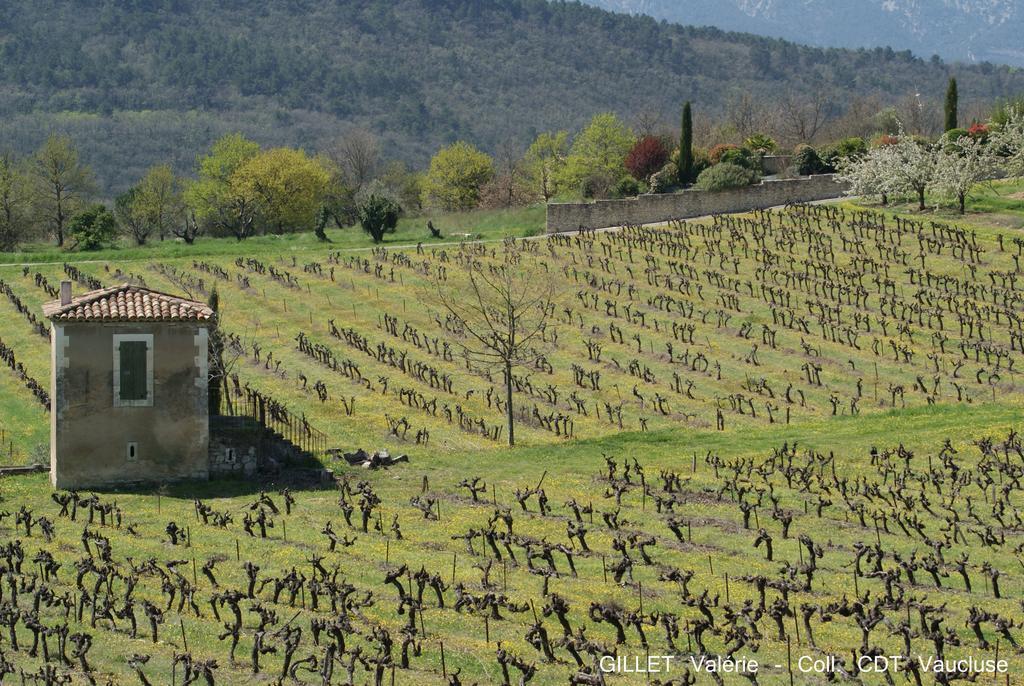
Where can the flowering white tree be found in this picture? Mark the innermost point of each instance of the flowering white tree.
(959, 165)
(1008, 142)
(912, 166)
(867, 174)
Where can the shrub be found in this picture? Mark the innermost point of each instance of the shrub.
(809, 162)
(761, 144)
(833, 155)
(849, 147)
(715, 154)
(627, 187)
(741, 157)
(956, 133)
(723, 176)
(664, 180)
(979, 131)
(701, 161)
(647, 156)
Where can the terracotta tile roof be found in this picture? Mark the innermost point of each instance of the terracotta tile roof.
(127, 303)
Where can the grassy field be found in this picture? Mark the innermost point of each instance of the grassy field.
(718, 548)
(481, 224)
(925, 504)
(730, 353)
(995, 205)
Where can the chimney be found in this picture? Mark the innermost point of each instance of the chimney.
(65, 293)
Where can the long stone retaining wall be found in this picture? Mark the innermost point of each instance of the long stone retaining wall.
(652, 209)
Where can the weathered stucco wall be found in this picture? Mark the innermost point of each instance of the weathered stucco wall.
(90, 436)
(651, 209)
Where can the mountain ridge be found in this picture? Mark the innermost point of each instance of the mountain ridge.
(972, 31)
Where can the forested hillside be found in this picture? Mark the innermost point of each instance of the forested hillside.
(138, 81)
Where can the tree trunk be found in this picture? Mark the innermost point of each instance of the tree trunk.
(963, 201)
(60, 222)
(920, 199)
(508, 404)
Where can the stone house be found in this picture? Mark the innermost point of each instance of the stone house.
(129, 397)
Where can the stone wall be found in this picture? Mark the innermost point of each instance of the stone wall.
(652, 209)
(236, 446)
(241, 447)
(775, 164)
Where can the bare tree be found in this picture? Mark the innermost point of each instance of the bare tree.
(503, 311)
(803, 115)
(357, 154)
(744, 114)
(649, 120)
(507, 188)
(920, 116)
(860, 118)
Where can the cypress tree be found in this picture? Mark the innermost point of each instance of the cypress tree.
(686, 147)
(216, 356)
(951, 105)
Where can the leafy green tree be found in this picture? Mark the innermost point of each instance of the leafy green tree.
(686, 146)
(544, 162)
(378, 214)
(92, 228)
(160, 199)
(952, 99)
(215, 199)
(456, 175)
(288, 185)
(596, 161)
(131, 216)
(62, 184)
(15, 212)
(226, 155)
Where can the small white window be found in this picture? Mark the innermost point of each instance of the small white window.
(132, 452)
